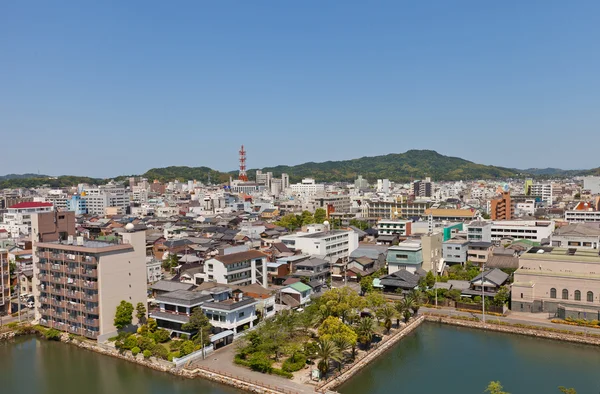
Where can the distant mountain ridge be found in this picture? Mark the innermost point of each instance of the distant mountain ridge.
(398, 167)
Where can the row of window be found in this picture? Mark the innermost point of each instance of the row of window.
(577, 295)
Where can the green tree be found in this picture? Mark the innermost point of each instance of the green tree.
(366, 284)
(288, 221)
(327, 351)
(152, 325)
(307, 218)
(342, 345)
(404, 307)
(495, 388)
(365, 331)
(454, 294)
(375, 300)
(567, 390)
(417, 297)
(200, 324)
(430, 280)
(140, 312)
(386, 314)
(502, 296)
(123, 315)
(341, 302)
(170, 262)
(334, 329)
(320, 215)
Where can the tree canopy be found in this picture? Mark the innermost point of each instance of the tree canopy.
(335, 330)
(123, 315)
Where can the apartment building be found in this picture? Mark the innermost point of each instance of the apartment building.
(99, 198)
(502, 208)
(423, 188)
(243, 268)
(584, 212)
(592, 183)
(542, 189)
(17, 219)
(308, 187)
(565, 282)
(79, 282)
(338, 203)
(394, 227)
(4, 283)
(479, 231)
(533, 230)
(330, 245)
(479, 252)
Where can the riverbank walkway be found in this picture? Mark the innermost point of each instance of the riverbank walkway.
(221, 362)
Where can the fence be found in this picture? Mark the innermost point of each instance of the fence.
(180, 362)
(477, 307)
(246, 381)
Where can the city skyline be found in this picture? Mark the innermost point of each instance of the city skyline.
(107, 90)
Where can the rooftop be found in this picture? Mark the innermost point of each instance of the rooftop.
(89, 246)
(325, 234)
(562, 254)
(229, 304)
(31, 204)
(184, 297)
(240, 257)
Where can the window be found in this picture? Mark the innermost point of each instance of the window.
(577, 295)
(521, 295)
(402, 256)
(553, 293)
(241, 314)
(565, 294)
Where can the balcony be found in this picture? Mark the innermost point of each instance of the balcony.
(74, 282)
(43, 277)
(75, 307)
(57, 256)
(92, 310)
(56, 290)
(89, 284)
(44, 266)
(91, 297)
(58, 268)
(90, 273)
(43, 255)
(90, 333)
(60, 280)
(88, 260)
(77, 258)
(92, 323)
(74, 270)
(74, 294)
(75, 319)
(56, 303)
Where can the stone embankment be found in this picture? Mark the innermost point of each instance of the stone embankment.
(515, 329)
(156, 364)
(358, 365)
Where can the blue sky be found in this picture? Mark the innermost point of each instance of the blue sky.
(108, 88)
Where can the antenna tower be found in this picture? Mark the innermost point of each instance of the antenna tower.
(243, 177)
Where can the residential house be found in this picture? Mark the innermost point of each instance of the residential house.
(407, 255)
(296, 294)
(479, 252)
(487, 283)
(229, 313)
(316, 271)
(402, 279)
(166, 286)
(175, 308)
(455, 251)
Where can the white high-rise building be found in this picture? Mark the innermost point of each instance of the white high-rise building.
(308, 186)
(105, 196)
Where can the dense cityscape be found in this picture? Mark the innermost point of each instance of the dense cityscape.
(256, 265)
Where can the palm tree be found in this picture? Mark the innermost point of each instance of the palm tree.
(387, 313)
(365, 331)
(417, 296)
(327, 351)
(404, 307)
(342, 344)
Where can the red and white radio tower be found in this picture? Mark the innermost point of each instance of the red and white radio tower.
(243, 177)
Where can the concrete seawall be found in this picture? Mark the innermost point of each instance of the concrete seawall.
(358, 365)
(513, 329)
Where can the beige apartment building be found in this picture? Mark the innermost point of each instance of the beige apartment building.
(564, 282)
(79, 282)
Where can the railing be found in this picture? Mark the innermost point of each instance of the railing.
(92, 310)
(90, 284)
(88, 272)
(74, 270)
(56, 290)
(91, 322)
(74, 282)
(61, 280)
(75, 319)
(247, 381)
(58, 268)
(74, 294)
(57, 303)
(75, 307)
(91, 297)
(44, 266)
(73, 257)
(89, 260)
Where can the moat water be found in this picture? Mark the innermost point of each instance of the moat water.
(438, 358)
(29, 366)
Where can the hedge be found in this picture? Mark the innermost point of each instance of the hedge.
(135, 351)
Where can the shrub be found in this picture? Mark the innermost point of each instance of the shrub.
(12, 325)
(161, 336)
(240, 361)
(145, 343)
(147, 353)
(279, 372)
(175, 345)
(135, 351)
(186, 348)
(53, 335)
(113, 339)
(159, 351)
(294, 363)
(129, 343)
(260, 362)
(185, 336)
(142, 330)
(173, 355)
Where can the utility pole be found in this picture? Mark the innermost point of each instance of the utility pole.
(483, 292)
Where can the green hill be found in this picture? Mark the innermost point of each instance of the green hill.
(183, 173)
(398, 167)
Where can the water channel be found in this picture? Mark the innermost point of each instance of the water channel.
(438, 358)
(29, 366)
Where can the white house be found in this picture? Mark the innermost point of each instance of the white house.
(299, 292)
(330, 245)
(244, 268)
(227, 313)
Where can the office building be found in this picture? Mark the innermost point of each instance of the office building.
(329, 245)
(533, 230)
(423, 188)
(308, 187)
(542, 189)
(361, 183)
(99, 199)
(394, 227)
(479, 231)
